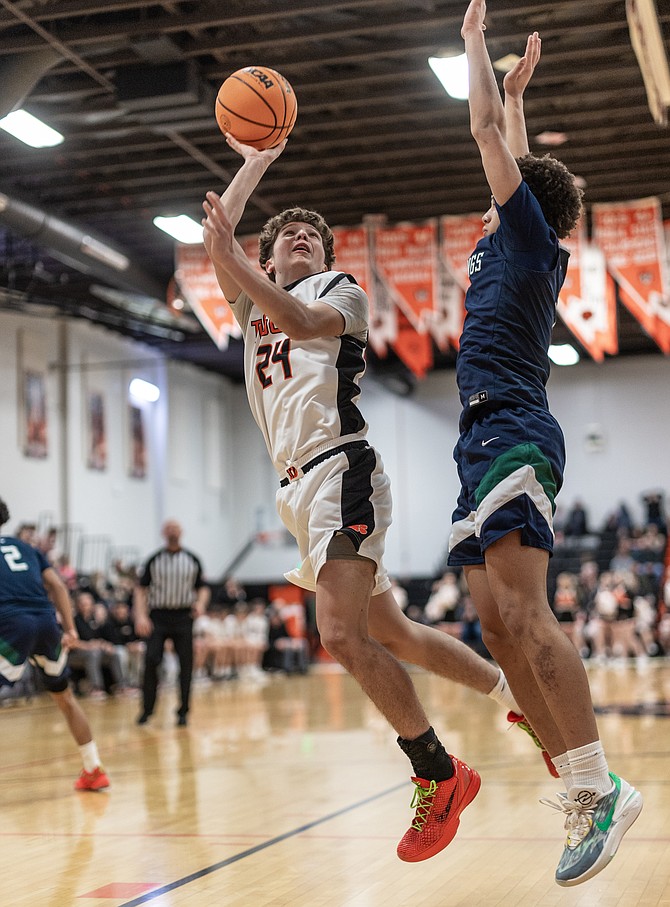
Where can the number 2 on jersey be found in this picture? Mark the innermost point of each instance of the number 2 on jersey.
(13, 559)
(267, 354)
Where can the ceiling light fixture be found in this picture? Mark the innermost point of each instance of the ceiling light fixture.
(181, 227)
(506, 63)
(551, 139)
(563, 354)
(144, 390)
(29, 130)
(452, 71)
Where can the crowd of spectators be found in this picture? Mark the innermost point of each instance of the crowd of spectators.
(235, 639)
(609, 588)
(610, 591)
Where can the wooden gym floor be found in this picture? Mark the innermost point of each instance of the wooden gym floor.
(294, 793)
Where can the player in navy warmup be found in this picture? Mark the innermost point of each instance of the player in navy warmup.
(510, 454)
(30, 632)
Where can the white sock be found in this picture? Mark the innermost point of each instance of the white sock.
(89, 756)
(589, 769)
(502, 694)
(562, 766)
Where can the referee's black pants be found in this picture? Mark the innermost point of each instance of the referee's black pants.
(177, 625)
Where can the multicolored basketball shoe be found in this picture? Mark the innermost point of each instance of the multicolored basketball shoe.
(520, 721)
(595, 829)
(438, 805)
(95, 780)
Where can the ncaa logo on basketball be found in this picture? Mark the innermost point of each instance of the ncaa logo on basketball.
(262, 77)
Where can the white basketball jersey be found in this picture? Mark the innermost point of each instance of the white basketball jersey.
(303, 393)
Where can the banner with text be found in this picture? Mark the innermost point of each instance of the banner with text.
(459, 236)
(352, 255)
(587, 301)
(631, 237)
(195, 276)
(407, 268)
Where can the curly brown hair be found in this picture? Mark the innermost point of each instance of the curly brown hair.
(4, 513)
(554, 187)
(270, 231)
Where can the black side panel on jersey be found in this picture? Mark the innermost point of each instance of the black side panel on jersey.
(350, 363)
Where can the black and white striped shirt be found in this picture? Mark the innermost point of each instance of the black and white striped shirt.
(172, 578)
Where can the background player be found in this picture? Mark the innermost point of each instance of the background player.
(29, 631)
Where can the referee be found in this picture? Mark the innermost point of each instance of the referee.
(169, 594)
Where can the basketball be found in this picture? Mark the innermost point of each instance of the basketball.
(256, 105)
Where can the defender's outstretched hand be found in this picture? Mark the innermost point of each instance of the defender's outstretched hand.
(517, 79)
(474, 17)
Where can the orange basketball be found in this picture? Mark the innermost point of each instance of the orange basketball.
(257, 105)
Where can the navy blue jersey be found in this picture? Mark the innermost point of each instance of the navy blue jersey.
(516, 274)
(21, 568)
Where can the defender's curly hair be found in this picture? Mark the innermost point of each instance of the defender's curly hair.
(4, 513)
(554, 187)
(270, 231)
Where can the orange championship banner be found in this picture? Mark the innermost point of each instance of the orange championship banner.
(197, 281)
(407, 266)
(194, 274)
(631, 237)
(459, 236)
(587, 301)
(250, 245)
(352, 255)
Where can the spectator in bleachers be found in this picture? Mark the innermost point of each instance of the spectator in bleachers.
(66, 572)
(231, 593)
(442, 606)
(655, 511)
(400, 594)
(623, 559)
(471, 630)
(230, 658)
(645, 622)
(119, 630)
(27, 532)
(576, 523)
(285, 652)
(91, 652)
(204, 647)
(256, 636)
(568, 612)
(625, 641)
(587, 586)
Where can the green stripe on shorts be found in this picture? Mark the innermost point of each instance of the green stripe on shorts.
(9, 652)
(514, 459)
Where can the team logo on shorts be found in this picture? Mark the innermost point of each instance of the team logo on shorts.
(360, 528)
(292, 473)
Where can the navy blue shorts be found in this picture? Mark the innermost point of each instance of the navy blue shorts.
(510, 464)
(35, 636)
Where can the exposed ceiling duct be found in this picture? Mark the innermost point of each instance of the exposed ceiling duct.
(19, 75)
(87, 253)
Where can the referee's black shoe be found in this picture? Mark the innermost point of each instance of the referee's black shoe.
(144, 717)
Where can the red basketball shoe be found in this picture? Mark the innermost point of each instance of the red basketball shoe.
(95, 780)
(520, 721)
(439, 805)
